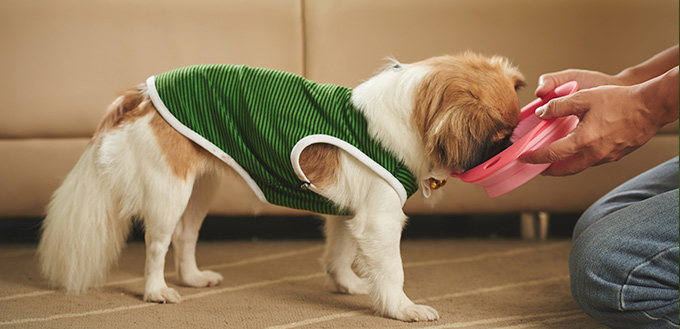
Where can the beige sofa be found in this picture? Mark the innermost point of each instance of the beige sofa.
(64, 61)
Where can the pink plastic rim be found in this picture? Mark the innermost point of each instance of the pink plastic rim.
(504, 172)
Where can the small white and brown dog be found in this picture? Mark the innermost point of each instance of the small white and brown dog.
(433, 117)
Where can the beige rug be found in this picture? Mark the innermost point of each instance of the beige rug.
(278, 284)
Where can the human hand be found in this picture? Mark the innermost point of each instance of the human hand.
(585, 79)
(618, 113)
(614, 121)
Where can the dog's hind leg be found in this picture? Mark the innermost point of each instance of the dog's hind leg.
(173, 165)
(339, 256)
(162, 213)
(186, 234)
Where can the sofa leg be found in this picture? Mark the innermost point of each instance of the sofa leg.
(535, 225)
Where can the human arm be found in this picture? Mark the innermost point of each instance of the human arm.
(649, 69)
(618, 114)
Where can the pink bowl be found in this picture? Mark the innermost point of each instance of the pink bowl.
(504, 172)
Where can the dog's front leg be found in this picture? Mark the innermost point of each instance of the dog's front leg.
(339, 256)
(377, 230)
(373, 234)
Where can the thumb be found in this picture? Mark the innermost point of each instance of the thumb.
(562, 107)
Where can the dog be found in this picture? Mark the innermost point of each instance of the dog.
(407, 127)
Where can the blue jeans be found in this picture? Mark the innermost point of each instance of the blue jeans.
(624, 260)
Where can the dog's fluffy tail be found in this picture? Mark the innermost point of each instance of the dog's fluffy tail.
(87, 219)
(84, 232)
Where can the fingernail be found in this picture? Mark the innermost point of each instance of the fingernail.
(540, 85)
(540, 111)
(541, 82)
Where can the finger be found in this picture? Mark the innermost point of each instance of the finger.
(572, 165)
(555, 152)
(548, 82)
(562, 107)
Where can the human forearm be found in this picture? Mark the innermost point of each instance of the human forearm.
(660, 96)
(651, 68)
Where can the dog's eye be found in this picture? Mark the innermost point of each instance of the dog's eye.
(396, 66)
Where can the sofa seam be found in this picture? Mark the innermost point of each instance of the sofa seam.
(303, 39)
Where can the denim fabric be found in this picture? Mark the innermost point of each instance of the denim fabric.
(624, 261)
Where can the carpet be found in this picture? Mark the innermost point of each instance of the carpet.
(473, 283)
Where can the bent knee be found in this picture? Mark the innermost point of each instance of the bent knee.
(621, 291)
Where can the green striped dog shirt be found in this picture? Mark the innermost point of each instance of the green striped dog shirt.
(258, 121)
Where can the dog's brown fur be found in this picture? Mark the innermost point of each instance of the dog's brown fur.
(320, 162)
(130, 105)
(458, 112)
(182, 155)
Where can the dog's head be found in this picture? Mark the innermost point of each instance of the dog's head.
(465, 108)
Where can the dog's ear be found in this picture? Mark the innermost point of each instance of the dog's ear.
(463, 133)
(465, 108)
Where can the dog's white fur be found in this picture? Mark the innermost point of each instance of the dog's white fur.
(126, 172)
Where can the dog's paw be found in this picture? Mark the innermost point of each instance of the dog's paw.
(163, 295)
(203, 279)
(415, 313)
